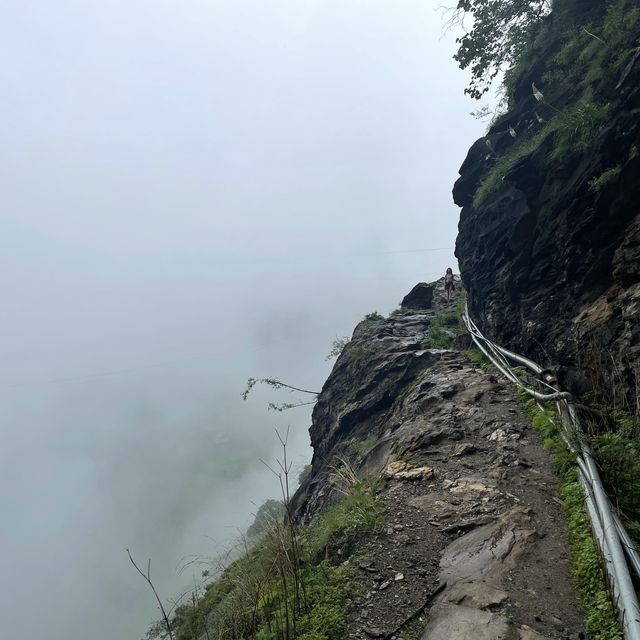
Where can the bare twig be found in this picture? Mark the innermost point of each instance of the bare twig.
(276, 384)
(593, 35)
(147, 577)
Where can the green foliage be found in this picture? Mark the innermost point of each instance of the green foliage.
(604, 178)
(337, 346)
(369, 320)
(521, 149)
(499, 33)
(399, 452)
(331, 589)
(591, 50)
(439, 338)
(269, 512)
(478, 358)
(277, 385)
(253, 598)
(574, 128)
(593, 55)
(361, 447)
(444, 327)
(357, 513)
(618, 457)
(616, 449)
(571, 130)
(400, 311)
(600, 615)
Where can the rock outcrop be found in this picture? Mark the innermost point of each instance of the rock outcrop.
(420, 297)
(473, 535)
(550, 255)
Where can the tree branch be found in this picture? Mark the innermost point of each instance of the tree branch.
(147, 578)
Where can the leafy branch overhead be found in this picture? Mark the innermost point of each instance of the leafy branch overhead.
(499, 31)
(276, 384)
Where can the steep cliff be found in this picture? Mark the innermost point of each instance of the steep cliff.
(549, 233)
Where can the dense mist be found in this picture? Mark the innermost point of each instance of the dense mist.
(193, 192)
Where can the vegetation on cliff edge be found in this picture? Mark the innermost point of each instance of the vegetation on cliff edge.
(295, 581)
(585, 52)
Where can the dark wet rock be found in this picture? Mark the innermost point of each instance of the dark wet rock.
(420, 297)
(551, 265)
(489, 551)
(455, 622)
(464, 449)
(474, 594)
(527, 633)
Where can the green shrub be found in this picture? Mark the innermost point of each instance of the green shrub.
(369, 320)
(361, 447)
(604, 178)
(505, 163)
(570, 130)
(358, 512)
(601, 621)
(575, 128)
(330, 589)
(479, 359)
(259, 593)
(589, 57)
(337, 347)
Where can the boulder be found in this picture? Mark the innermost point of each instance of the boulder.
(420, 297)
(455, 622)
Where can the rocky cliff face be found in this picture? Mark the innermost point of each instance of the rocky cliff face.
(549, 233)
(472, 536)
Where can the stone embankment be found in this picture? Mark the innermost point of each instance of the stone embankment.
(474, 543)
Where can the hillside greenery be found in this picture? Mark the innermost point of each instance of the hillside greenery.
(500, 31)
(588, 49)
(284, 585)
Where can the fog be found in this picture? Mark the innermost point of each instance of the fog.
(193, 192)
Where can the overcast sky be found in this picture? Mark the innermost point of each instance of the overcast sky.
(193, 192)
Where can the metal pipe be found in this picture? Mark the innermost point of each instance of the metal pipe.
(476, 336)
(629, 606)
(596, 524)
(536, 368)
(627, 544)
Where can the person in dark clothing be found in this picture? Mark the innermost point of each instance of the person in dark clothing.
(448, 283)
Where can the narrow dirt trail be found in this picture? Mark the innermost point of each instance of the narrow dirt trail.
(487, 523)
(479, 534)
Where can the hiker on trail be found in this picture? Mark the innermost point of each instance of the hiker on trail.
(448, 283)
